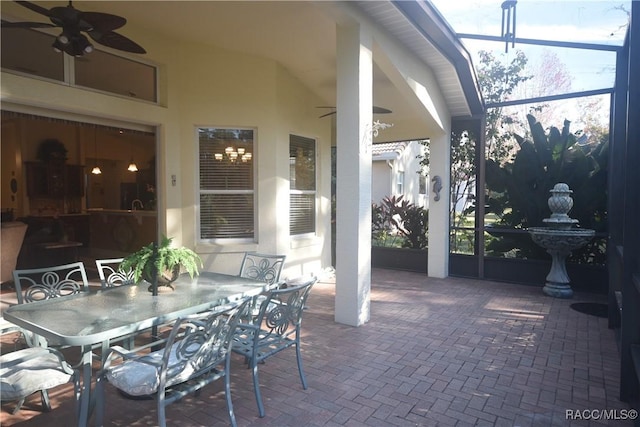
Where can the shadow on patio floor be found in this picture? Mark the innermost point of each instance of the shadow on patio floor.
(436, 352)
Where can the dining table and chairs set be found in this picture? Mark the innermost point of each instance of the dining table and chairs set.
(66, 327)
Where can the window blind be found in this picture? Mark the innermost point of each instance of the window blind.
(226, 183)
(302, 184)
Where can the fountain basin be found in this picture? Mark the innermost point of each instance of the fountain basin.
(559, 242)
(561, 239)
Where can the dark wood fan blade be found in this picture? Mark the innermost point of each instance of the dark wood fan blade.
(7, 24)
(376, 110)
(103, 22)
(38, 9)
(116, 41)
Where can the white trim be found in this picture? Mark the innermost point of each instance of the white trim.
(76, 117)
(206, 245)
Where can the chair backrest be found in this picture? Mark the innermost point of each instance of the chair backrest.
(281, 312)
(50, 282)
(198, 343)
(111, 275)
(263, 267)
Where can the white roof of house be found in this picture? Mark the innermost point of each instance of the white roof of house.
(388, 150)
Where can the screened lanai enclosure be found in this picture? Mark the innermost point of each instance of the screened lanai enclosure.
(546, 123)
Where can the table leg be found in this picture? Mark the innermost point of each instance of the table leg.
(85, 387)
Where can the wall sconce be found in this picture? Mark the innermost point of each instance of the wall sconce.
(233, 155)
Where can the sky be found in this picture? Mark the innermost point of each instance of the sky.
(593, 21)
(590, 21)
(584, 21)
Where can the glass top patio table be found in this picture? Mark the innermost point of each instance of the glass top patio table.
(92, 318)
(88, 319)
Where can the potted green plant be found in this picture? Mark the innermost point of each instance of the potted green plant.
(168, 262)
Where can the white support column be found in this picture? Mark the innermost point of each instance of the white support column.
(440, 159)
(353, 204)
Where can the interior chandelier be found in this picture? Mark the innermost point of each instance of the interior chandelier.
(233, 155)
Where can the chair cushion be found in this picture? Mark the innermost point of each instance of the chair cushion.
(139, 379)
(41, 371)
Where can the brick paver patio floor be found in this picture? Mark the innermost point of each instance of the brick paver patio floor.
(436, 352)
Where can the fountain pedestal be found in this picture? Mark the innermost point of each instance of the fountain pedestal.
(559, 239)
(559, 244)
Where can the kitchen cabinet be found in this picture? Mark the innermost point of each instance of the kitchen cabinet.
(75, 180)
(54, 179)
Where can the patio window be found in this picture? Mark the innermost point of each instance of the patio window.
(28, 52)
(422, 182)
(302, 184)
(134, 79)
(226, 184)
(400, 183)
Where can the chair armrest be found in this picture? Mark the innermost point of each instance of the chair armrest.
(244, 325)
(117, 351)
(21, 356)
(7, 327)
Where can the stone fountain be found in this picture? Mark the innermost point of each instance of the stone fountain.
(559, 238)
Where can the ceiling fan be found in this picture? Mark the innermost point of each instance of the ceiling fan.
(99, 26)
(376, 110)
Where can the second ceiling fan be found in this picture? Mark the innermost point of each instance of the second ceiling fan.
(376, 110)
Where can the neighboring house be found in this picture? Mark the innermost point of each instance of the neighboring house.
(251, 75)
(396, 171)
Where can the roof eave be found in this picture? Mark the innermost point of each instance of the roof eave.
(426, 19)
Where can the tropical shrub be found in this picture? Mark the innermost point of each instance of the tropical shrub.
(518, 190)
(398, 222)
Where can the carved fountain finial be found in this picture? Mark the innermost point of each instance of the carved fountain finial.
(560, 204)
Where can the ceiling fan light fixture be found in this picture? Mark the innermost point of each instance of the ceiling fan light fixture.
(80, 45)
(96, 170)
(132, 167)
(58, 46)
(63, 39)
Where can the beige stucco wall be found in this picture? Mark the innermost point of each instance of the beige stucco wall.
(205, 86)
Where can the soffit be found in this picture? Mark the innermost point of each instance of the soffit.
(397, 24)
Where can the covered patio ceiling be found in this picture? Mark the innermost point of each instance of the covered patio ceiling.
(300, 35)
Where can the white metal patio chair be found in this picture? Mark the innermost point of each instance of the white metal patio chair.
(32, 369)
(111, 275)
(50, 282)
(263, 267)
(196, 353)
(275, 328)
(40, 284)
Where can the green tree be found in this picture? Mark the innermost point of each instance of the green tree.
(498, 81)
